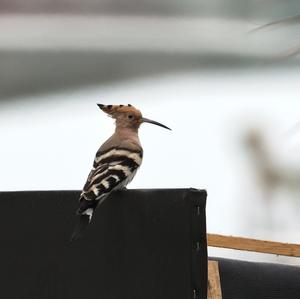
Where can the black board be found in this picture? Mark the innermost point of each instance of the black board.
(148, 244)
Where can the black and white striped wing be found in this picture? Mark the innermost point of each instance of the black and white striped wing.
(112, 170)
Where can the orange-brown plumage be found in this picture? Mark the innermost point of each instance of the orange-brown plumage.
(125, 116)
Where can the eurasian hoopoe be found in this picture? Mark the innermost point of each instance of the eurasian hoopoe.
(116, 162)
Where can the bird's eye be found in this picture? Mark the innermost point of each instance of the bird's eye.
(130, 116)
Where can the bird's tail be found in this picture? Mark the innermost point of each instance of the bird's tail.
(80, 227)
(84, 218)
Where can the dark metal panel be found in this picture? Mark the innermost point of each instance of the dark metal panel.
(249, 280)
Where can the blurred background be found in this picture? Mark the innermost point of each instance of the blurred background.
(229, 92)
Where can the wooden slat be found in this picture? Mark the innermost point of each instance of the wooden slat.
(214, 285)
(247, 244)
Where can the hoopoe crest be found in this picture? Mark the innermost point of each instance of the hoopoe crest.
(116, 162)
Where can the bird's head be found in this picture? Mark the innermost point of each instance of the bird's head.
(127, 116)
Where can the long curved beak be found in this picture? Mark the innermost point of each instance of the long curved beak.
(147, 120)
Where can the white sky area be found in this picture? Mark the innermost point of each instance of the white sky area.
(49, 142)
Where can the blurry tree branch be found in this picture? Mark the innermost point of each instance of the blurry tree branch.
(294, 20)
(271, 174)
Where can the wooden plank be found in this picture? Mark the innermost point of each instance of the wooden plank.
(247, 244)
(214, 285)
